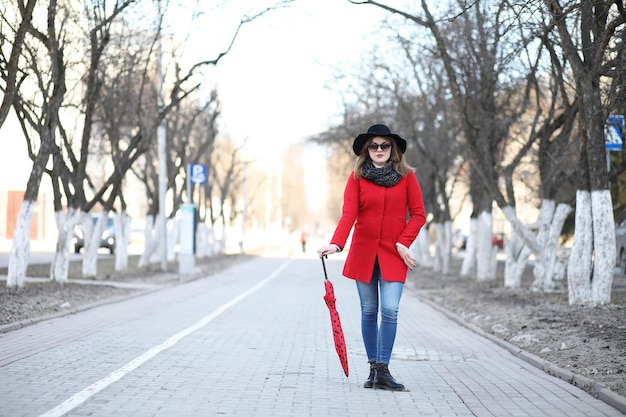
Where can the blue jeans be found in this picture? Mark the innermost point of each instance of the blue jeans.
(379, 340)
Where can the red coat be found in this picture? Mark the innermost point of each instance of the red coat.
(381, 220)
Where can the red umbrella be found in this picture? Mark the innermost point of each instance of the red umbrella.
(340, 343)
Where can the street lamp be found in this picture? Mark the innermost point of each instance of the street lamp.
(162, 147)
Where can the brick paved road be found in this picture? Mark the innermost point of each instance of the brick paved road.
(255, 340)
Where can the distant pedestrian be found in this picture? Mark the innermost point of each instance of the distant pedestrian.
(303, 237)
(379, 193)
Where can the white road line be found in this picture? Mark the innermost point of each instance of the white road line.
(82, 396)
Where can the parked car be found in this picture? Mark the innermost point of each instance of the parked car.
(460, 241)
(107, 240)
(620, 246)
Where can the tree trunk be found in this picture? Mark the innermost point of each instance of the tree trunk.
(122, 240)
(172, 239)
(467, 268)
(580, 265)
(604, 247)
(93, 235)
(202, 240)
(151, 243)
(543, 277)
(484, 252)
(591, 263)
(437, 259)
(421, 249)
(550, 223)
(213, 241)
(59, 270)
(517, 253)
(20, 249)
(443, 246)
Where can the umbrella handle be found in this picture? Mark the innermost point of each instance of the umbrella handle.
(324, 266)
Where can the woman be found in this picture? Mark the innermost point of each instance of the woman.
(379, 193)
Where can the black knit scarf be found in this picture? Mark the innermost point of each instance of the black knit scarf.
(385, 176)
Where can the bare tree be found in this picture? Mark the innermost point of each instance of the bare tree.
(480, 53)
(426, 115)
(469, 47)
(150, 166)
(14, 32)
(27, 69)
(294, 201)
(192, 131)
(37, 104)
(48, 114)
(70, 176)
(588, 31)
(227, 180)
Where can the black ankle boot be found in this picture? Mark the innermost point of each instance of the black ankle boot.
(370, 379)
(384, 380)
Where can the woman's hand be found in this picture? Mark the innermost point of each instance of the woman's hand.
(328, 250)
(405, 254)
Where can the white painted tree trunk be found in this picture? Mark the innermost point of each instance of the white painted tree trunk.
(202, 241)
(121, 222)
(212, 241)
(541, 238)
(517, 253)
(604, 247)
(484, 253)
(543, 279)
(215, 242)
(151, 244)
(580, 264)
(173, 239)
(494, 261)
(443, 250)
(93, 236)
(469, 262)
(550, 223)
(421, 249)
(20, 249)
(437, 264)
(221, 246)
(66, 222)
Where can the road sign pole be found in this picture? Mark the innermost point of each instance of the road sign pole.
(189, 196)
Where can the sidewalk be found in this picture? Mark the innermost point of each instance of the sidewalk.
(256, 340)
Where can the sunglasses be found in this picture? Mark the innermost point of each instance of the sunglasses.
(382, 146)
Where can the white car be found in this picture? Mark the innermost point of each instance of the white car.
(620, 246)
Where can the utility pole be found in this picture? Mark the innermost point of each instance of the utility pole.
(162, 147)
(244, 217)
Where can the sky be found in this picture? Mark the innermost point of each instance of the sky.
(273, 83)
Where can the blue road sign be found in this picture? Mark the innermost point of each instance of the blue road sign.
(197, 174)
(614, 132)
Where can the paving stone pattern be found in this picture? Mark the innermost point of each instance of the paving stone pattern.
(255, 340)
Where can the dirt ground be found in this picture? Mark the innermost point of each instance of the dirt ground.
(586, 341)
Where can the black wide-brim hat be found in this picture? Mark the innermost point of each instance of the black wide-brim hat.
(374, 131)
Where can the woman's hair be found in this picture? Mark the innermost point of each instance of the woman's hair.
(399, 164)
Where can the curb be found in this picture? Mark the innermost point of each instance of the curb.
(597, 389)
(141, 289)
